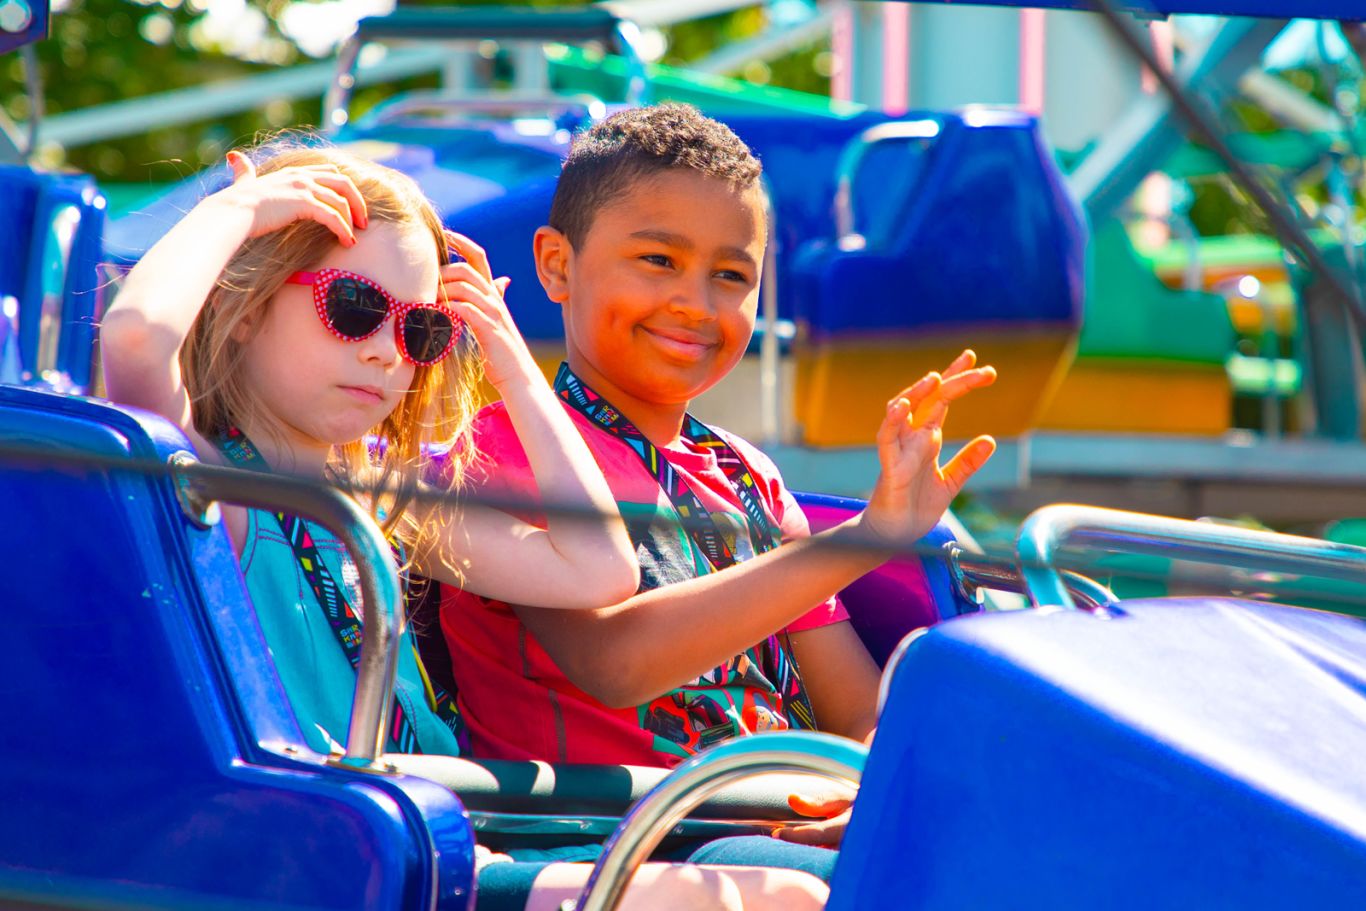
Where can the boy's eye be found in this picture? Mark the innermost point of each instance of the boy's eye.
(732, 275)
(657, 259)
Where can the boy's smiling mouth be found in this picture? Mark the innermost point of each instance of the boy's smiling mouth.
(680, 342)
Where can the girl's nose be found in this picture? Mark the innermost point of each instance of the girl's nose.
(382, 347)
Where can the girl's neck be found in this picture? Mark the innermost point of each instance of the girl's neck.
(287, 451)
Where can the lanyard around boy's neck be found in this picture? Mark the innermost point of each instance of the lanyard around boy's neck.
(341, 617)
(702, 527)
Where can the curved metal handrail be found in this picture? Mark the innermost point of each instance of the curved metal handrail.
(694, 782)
(971, 572)
(853, 154)
(198, 485)
(1093, 532)
(522, 26)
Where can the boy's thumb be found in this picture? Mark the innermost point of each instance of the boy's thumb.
(502, 284)
(820, 807)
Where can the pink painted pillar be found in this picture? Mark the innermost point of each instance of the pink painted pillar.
(896, 54)
(1032, 70)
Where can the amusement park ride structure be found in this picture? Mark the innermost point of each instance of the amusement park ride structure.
(1089, 752)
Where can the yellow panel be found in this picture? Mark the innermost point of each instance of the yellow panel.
(1125, 396)
(843, 388)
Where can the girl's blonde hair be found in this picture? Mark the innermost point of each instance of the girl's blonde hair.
(432, 418)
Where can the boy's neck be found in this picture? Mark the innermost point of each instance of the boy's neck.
(660, 424)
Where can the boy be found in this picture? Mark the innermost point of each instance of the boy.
(653, 251)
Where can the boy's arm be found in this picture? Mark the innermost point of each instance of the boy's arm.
(632, 652)
(841, 679)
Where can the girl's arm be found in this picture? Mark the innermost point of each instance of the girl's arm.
(141, 334)
(572, 563)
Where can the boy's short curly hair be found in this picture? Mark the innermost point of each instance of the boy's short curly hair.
(611, 155)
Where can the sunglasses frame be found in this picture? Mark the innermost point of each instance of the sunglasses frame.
(322, 280)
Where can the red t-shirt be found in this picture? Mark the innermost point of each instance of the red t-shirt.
(519, 705)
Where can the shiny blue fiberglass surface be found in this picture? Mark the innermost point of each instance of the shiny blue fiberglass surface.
(984, 203)
(140, 700)
(985, 234)
(50, 238)
(1187, 753)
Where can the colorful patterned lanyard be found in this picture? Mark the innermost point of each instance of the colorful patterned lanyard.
(707, 536)
(340, 616)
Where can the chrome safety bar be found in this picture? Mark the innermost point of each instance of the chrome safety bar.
(1093, 532)
(971, 572)
(624, 33)
(199, 485)
(694, 782)
(852, 157)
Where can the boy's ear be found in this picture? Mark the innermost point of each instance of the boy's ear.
(553, 253)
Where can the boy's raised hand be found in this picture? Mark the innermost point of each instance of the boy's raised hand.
(913, 490)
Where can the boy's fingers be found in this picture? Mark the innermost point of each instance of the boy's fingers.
(897, 410)
(822, 807)
(965, 464)
(502, 284)
(343, 185)
(962, 362)
(816, 835)
(960, 383)
(919, 390)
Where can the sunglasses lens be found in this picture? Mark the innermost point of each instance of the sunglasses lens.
(355, 309)
(428, 334)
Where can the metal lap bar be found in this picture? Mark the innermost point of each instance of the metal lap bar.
(198, 485)
(1090, 532)
(475, 24)
(516, 824)
(702, 776)
(971, 572)
(852, 157)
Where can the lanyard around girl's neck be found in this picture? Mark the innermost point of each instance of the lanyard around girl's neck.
(705, 534)
(341, 617)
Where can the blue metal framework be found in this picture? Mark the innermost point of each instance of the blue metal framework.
(1274, 9)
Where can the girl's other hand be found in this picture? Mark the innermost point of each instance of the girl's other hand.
(318, 193)
(472, 291)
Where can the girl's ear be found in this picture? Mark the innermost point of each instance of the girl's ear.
(244, 329)
(554, 257)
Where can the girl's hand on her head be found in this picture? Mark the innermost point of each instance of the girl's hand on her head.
(472, 291)
(318, 193)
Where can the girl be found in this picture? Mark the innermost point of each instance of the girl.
(312, 303)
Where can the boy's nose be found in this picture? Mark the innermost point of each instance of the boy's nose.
(692, 298)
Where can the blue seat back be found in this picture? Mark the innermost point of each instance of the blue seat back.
(138, 691)
(1186, 753)
(50, 232)
(900, 596)
(981, 230)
